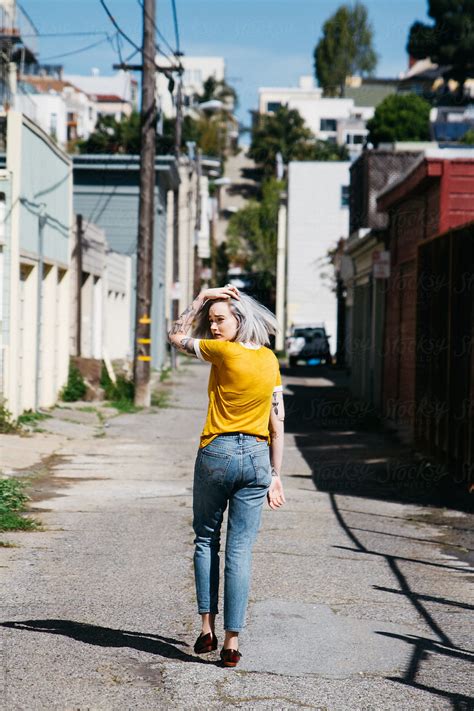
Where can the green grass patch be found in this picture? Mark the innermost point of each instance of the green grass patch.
(13, 500)
(159, 399)
(87, 408)
(75, 388)
(165, 374)
(8, 424)
(125, 406)
(31, 416)
(6, 544)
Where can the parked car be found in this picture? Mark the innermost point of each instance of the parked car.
(309, 343)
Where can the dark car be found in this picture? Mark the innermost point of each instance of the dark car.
(308, 343)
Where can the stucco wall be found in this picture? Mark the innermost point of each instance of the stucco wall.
(316, 221)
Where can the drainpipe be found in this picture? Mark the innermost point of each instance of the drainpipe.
(39, 299)
(280, 306)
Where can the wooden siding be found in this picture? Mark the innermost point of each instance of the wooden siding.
(110, 198)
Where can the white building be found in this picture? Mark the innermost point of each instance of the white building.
(60, 108)
(196, 71)
(318, 216)
(115, 95)
(336, 120)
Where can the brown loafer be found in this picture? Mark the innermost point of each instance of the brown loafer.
(230, 657)
(205, 643)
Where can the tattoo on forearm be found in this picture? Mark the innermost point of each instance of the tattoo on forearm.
(186, 345)
(185, 320)
(275, 403)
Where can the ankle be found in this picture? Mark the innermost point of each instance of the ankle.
(208, 623)
(231, 640)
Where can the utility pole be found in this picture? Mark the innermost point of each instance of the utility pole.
(142, 363)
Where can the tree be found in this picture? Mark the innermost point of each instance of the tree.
(449, 42)
(400, 117)
(253, 233)
(468, 137)
(112, 136)
(285, 132)
(344, 49)
(218, 89)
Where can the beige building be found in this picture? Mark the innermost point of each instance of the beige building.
(101, 321)
(36, 218)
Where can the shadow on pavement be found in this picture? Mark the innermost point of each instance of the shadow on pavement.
(350, 453)
(422, 647)
(108, 637)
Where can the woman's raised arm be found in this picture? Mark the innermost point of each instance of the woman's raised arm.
(178, 333)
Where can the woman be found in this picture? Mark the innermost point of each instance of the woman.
(240, 452)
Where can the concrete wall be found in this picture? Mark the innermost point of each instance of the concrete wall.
(316, 221)
(37, 184)
(105, 298)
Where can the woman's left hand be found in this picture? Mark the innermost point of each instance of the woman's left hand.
(276, 496)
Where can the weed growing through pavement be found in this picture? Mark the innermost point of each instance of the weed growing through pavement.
(30, 417)
(8, 424)
(165, 374)
(13, 501)
(75, 388)
(160, 399)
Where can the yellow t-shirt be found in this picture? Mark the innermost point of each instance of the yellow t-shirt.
(241, 384)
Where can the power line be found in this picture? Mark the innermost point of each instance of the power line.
(27, 16)
(64, 34)
(176, 25)
(77, 51)
(163, 38)
(117, 26)
(125, 36)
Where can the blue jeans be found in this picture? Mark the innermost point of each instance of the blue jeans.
(235, 470)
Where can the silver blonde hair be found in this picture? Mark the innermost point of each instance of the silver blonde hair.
(255, 322)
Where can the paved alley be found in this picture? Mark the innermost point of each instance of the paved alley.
(361, 585)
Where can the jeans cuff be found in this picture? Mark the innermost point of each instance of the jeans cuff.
(208, 612)
(233, 628)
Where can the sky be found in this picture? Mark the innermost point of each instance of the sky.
(264, 42)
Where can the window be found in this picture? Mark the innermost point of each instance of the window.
(53, 125)
(355, 139)
(273, 106)
(345, 195)
(328, 124)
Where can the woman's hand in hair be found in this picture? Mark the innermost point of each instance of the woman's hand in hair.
(276, 496)
(221, 292)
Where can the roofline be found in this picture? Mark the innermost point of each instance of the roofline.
(105, 161)
(429, 166)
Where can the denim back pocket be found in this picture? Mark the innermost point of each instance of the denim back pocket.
(212, 466)
(261, 465)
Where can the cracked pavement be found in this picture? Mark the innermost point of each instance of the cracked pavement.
(361, 583)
